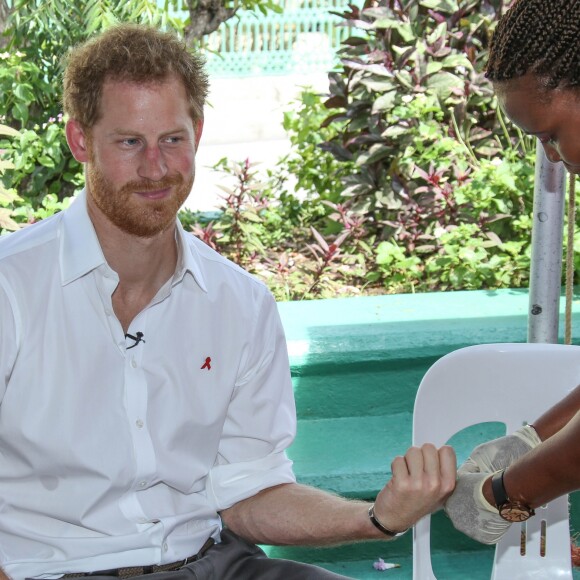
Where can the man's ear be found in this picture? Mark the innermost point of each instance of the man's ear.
(77, 140)
(198, 131)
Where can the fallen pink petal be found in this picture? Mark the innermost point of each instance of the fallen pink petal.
(380, 564)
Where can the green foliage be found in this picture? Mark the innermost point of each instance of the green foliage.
(414, 77)
(38, 34)
(14, 210)
(261, 227)
(25, 88)
(317, 173)
(436, 190)
(435, 175)
(402, 272)
(8, 196)
(38, 162)
(41, 163)
(405, 178)
(240, 224)
(42, 32)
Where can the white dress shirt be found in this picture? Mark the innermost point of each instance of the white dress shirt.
(113, 456)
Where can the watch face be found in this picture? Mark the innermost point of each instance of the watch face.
(515, 512)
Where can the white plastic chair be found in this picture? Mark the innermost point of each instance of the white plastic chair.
(511, 384)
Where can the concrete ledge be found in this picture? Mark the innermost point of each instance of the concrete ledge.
(404, 325)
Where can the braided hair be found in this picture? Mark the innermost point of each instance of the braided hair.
(541, 37)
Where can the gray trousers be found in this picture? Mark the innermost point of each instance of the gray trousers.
(235, 559)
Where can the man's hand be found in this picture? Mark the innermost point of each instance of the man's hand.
(3, 575)
(501, 453)
(422, 480)
(471, 513)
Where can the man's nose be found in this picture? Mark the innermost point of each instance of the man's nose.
(152, 165)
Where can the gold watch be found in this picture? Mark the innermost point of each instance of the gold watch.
(510, 510)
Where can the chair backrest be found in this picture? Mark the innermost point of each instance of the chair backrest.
(510, 384)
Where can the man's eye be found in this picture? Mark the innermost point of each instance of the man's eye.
(130, 141)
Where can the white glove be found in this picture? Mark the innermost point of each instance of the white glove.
(500, 453)
(470, 512)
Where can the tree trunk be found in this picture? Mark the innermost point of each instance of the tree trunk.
(4, 13)
(205, 17)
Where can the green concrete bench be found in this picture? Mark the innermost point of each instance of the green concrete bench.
(356, 365)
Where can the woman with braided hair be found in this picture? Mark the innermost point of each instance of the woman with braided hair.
(534, 65)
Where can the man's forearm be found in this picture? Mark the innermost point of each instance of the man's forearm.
(293, 514)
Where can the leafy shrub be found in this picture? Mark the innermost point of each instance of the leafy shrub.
(41, 163)
(438, 178)
(15, 211)
(317, 173)
(25, 89)
(8, 195)
(262, 227)
(405, 178)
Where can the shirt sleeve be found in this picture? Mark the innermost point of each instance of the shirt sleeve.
(9, 338)
(261, 418)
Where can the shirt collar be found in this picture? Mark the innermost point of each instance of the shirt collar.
(80, 251)
(188, 258)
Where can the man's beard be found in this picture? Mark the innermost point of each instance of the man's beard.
(138, 218)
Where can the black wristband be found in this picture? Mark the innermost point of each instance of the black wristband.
(380, 526)
(498, 489)
(509, 510)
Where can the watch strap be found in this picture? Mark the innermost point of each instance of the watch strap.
(510, 510)
(382, 528)
(498, 489)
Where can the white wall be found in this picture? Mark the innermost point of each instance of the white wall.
(244, 120)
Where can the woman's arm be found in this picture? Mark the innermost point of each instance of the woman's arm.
(551, 469)
(557, 417)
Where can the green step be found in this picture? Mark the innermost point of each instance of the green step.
(356, 365)
(466, 560)
(466, 566)
(402, 326)
(356, 560)
(367, 387)
(446, 566)
(352, 455)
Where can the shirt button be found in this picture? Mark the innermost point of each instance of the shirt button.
(165, 547)
(142, 483)
(139, 423)
(133, 363)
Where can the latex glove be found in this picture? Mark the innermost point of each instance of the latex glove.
(471, 513)
(500, 453)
